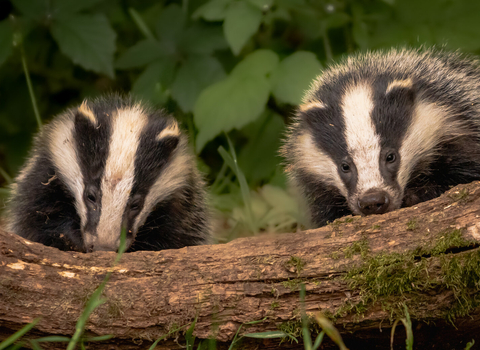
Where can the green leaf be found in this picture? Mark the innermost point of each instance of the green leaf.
(67, 7)
(170, 23)
(266, 335)
(38, 9)
(88, 40)
(229, 104)
(202, 40)
(258, 63)
(241, 22)
(214, 10)
(196, 73)
(261, 4)
(150, 85)
(237, 100)
(294, 76)
(142, 53)
(33, 9)
(6, 39)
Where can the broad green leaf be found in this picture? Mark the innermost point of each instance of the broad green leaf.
(258, 63)
(67, 7)
(202, 40)
(150, 85)
(88, 40)
(214, 10)
(196, 73)
(142, 53)
(231, 103)
(170, 23)
(237, 100)
(6, 40)
(34, 9)
(261, 4)
(241, 22)
(38, 9)
(294, 76)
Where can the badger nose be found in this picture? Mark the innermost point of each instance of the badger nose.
(373, 202)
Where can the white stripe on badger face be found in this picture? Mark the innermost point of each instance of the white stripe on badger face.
(118, 178)
(172, 177)
(362, 140)
(423, 135)
(64, 157)
(311, 159)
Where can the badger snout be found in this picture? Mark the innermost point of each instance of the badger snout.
(374, 202)
(94, 243)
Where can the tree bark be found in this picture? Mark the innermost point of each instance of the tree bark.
(419, 253)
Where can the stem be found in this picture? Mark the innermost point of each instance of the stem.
(326, 43)
(30, 88)
(142, 26)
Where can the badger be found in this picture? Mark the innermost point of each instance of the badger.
(109, 164)
(384, 130)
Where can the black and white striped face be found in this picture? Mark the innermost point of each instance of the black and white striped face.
(365, 137)
(118, 162)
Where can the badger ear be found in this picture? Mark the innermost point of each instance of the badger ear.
(84, 115)
(310, 105)
(170, 135)
(401, 91)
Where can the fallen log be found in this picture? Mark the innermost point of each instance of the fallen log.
(361, 272)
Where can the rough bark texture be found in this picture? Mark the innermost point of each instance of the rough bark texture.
(259, 278)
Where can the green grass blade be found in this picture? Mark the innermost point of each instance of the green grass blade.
(408, 326)
(18, 334)
(189, 337)
(5, 175)
(307, 337)
(53, 339)
(99, 338)
(470, 344)
(231, 161)
(330, 330)
(318, 340)
(35, 345)
(30, 88)
(266, 335)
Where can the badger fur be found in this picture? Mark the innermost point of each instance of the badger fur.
(385, 130)
(107, 164)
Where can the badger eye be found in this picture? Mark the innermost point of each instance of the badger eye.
(134, 206)
(391, 158)
(92, 198)
(345, 167)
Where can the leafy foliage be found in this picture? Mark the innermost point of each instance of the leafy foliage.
(224, 68)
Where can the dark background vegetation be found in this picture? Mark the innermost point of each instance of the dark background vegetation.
(230, 70)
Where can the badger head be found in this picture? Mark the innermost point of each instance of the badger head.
(118, 162)
(363, 138)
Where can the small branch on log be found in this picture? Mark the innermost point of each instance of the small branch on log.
(359, 271)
